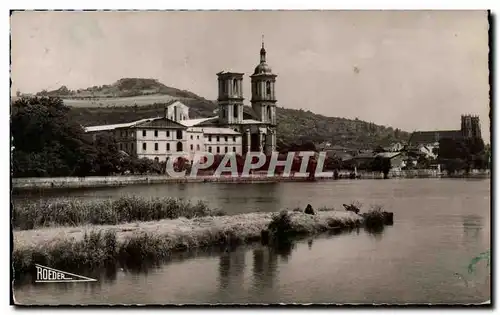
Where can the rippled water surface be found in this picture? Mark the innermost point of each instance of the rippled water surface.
(440, 225)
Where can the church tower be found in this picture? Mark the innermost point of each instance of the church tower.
(230, 98)
(263, 96)
(264, 99)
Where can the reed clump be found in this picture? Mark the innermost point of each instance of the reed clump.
(376, 218)
(74, 212)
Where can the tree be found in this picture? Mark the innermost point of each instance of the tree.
(108, 159)
(381, 164)
(47, 142)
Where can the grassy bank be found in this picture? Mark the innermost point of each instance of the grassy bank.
(134, 244)
(72, 212)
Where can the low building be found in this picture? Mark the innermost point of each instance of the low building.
(364, 160)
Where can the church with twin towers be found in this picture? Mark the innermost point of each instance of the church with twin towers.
(258, 125)
(234, 129)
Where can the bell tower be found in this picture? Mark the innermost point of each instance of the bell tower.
(264, 99)
(230, 98)
(263, 93)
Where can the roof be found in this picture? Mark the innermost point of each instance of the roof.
(251, 121)
(388, 155)
(220, 131)
(364, 156)
(195, 129)
(263, 68)
(230, 74)
(194, 122)
(174, 102)
(420, 137)
(159, 123)
(115, 126)
(249, 113)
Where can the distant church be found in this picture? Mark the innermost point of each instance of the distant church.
(233, 130)
(470, 128)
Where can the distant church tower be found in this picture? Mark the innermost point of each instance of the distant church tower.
(264, 98)
(230, 98)
(471, 127)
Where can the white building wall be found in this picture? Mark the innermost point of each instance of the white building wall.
(220, 144)
(195, 141)
(163, 142)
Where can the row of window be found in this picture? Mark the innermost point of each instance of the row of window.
(179, 147)
(124, 133)
(218, 138)
(126, 146)
(226, 149)
(178, 134)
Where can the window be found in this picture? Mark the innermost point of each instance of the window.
(197, 147)
(198, 137)
(225, 149)
(156, 133)
(120, 146)
(179, 134)
(234, 138)
(235, 86)
(218, 149)
(179, 146)
(168, 146)
(210, 138)
(156, 146)
(269, 112)
(268, 88)
(144, 133)
(210, 149)
(191, 137)
(168, 133)
(224, 113)
(235, 111)
(132, 146)
(218, 138)
(234, 149)
(191, 147)
(131, 133)
(144, 146)
(225, 138)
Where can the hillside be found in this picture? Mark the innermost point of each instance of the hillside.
(123, 88)
(128, 100)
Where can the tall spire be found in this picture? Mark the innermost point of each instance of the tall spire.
(262, 52)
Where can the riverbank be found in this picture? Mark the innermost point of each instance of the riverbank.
(95, 246)
(49, 183)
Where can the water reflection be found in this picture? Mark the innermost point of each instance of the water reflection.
(472, 225)
(264, 268)
(231, 269)
(375, 232)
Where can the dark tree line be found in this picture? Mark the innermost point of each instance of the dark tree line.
(463, 155)
(48, 143)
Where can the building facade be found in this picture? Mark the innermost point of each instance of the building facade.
(234, 130)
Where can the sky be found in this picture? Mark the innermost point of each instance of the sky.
(413, 70)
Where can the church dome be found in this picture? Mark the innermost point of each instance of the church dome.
(263, 68)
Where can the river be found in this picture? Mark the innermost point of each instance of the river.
(440, 225)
